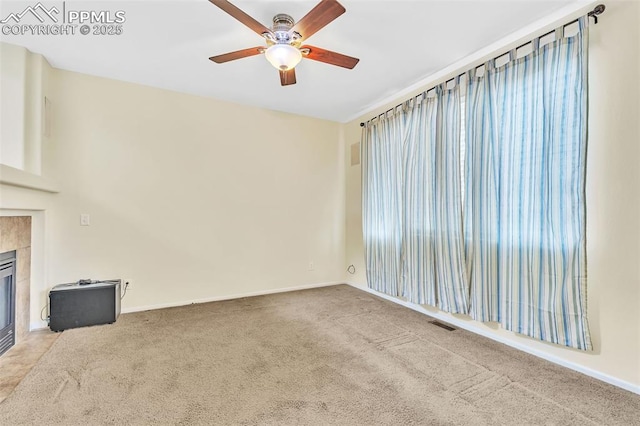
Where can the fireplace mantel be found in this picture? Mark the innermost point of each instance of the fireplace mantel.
(16, 177)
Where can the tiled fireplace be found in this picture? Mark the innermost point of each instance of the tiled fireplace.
(15, 236)
(7, 300)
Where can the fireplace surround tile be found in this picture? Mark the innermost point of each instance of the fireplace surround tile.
(9, 234)
(24, 232)
(23, 299)
(15, 234)
(23, 264)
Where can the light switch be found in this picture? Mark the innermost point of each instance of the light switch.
(85, 219)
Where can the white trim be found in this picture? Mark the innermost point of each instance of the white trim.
(228, 297)
(38, 326)
(524, 348)
(523, 35)
(41, 325)
(20, 178)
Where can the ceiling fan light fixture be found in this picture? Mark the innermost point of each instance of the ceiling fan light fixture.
(283, 57)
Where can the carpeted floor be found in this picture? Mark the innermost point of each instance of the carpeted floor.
(334, 355)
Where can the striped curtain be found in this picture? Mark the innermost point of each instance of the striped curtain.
(524, 195)
(418, 242)
(419, 227)
(453, 293)
(381, 200)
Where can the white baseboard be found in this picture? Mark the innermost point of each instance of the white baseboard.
(478, 330)
(41, 325)
(227, 297)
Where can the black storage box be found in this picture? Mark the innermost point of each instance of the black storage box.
(75, 305)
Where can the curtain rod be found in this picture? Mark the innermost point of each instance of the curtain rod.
(599, 9)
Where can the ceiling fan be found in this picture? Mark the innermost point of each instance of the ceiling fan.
(284, 49)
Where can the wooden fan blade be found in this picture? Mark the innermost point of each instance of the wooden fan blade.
(321, 15)
(238, 54)
(288, 77)
(329, 57)
(241, 16)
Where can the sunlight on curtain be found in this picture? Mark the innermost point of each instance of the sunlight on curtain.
(381, 195)
(524, 195)
(418, 269)
(429, 228)
(449, 243)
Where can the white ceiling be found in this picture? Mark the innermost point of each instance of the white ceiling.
(167, 44)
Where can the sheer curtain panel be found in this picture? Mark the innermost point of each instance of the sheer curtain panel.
(524, 196)
(381, 201)
(429, 228)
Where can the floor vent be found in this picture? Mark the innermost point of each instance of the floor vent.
(442, 325)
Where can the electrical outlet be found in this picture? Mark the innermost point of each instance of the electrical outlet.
(312, 267)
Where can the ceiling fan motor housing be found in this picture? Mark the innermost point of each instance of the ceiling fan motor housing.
(282, 24)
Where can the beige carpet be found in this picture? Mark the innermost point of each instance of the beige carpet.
(334, 355)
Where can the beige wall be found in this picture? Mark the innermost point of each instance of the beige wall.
(190, 198)
(13, 75)
(613, 204)
(22, 84)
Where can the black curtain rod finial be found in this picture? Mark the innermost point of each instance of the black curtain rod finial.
(361, 124)
(596, 11)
